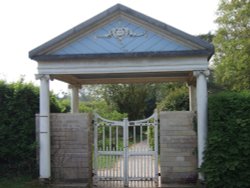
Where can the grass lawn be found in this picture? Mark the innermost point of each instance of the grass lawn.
(20, 182)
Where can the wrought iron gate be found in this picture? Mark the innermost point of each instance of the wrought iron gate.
(125, 151)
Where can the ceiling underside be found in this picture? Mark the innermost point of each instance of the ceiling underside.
(115, 78)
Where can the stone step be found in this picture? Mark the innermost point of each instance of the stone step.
(179, 186)
(75, 185)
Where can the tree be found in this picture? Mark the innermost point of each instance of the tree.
(232, 44)
(207, 37)
(128, 98)
(177, 99)
(139, 100)
(102, 108)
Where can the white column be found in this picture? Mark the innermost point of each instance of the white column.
(74, 98)
(201, 84)
(44, 135)
(192, 98)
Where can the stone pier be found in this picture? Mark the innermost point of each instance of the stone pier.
(178, 145)
(71, 144)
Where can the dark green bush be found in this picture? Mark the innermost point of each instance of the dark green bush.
(19, 102)
(227, 156)
(176, 100)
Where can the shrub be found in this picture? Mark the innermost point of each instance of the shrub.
(227, 156)
(19, 102)
(176, 100)
(102, 108)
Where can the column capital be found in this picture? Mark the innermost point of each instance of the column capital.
(77, 86)
(199, 72)
(42, 76)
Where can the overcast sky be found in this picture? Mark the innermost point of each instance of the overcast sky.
(25, 24)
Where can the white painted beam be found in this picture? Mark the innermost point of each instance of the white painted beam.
(125, 65)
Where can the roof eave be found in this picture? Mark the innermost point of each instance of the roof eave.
(123, 55)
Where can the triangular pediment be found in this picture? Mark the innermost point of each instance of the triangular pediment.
(123, 31)
(121, 36)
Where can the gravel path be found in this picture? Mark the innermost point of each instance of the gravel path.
(138, 166)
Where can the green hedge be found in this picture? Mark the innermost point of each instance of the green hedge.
(227, 156)
(19, 102)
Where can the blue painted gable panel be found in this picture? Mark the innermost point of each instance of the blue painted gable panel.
(120, 36)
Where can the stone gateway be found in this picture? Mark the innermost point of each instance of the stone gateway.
(121, 45)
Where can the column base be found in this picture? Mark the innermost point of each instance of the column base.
(201, 177)
(45, 181)
(201, 183)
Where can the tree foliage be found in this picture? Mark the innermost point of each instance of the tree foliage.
(91, 100)
(140, 100)
(232, 44)
(133, 99)
(207, 37)
(177, 99)
(102, 108)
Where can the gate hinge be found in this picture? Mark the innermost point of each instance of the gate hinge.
(159, 174)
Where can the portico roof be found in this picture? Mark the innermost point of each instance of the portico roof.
(122, 45)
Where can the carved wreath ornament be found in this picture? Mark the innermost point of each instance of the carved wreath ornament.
(120, 33)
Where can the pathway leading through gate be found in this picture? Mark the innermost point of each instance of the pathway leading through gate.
(126, 152)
